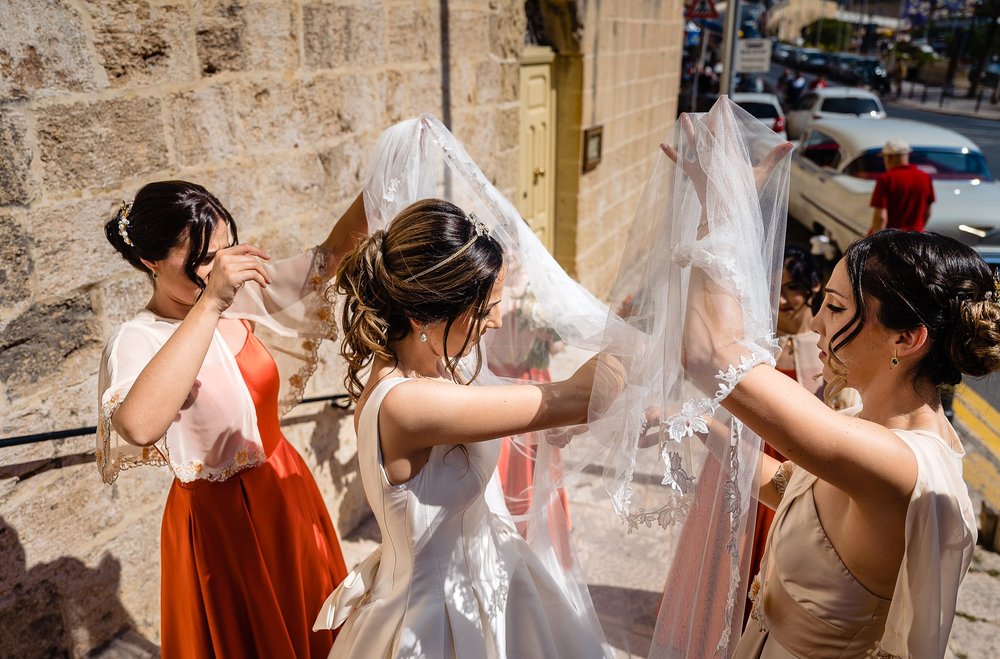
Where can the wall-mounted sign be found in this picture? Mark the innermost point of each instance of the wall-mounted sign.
(753, 55)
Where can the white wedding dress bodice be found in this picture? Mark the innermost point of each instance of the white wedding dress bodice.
(452, 577)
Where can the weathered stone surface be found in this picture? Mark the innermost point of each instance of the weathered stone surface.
(268, 115)
(117, 299)
(338, 104)
(15, 263)
(99, 143)
(203, 125)
(77, 228)
(220, 36)
(15, 158)
(413, 35)
(235, 35)
(139, 43)
(411, 93)
(272, 42)
(90, 558)
(35, 344)
(43, 50)
(344, 166)
(507, 23)
(337, 36)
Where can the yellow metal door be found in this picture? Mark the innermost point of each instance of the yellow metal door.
(536, 176)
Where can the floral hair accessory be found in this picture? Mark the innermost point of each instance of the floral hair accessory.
(480, 227)
(123, 223)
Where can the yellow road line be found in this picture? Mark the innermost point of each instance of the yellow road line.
(981, 476)
(979, 417)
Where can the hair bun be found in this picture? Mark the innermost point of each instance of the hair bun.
(975, 345)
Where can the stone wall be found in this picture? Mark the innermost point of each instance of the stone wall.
(631, 67)
(274, 105)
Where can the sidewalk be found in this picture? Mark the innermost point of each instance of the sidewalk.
(920, 97)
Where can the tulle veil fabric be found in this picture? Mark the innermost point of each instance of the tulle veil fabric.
(677, 463)
(674, 462)
(419, 158)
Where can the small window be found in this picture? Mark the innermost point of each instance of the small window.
(759, 109)
(855, 106)
(821, 149)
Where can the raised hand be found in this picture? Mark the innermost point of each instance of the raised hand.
(233, 267)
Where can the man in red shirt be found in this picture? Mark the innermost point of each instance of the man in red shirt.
(903, 194)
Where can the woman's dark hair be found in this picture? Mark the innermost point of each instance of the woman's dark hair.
(161, 216)
(804, 273)
(925, 279)
(431, 265)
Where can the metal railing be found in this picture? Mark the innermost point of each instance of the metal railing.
(340, 401)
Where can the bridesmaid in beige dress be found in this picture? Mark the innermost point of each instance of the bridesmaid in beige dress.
(874, 529)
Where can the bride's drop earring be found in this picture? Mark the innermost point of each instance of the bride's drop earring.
(894, 361)
(423, 335)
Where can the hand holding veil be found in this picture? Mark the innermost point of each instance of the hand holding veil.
(700, 278)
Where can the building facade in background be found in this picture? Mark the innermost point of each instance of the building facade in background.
(274, 106)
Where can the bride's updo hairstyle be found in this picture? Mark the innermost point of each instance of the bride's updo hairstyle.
(162, 215)
(431, 265)
(908, 279)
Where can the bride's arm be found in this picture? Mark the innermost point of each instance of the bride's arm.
(425, 413)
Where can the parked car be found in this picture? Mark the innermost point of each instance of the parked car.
(765, 107)
(781, 52)
(832, 101)
(811, 59)
(835, 165)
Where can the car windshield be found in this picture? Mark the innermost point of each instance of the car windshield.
(850, 105)
(942, 164)
(759, 109)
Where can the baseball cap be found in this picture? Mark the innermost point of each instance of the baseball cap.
(895, 147)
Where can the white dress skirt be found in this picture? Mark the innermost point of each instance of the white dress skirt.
(452, 577)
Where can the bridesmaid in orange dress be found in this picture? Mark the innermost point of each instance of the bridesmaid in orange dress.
(521, 351)
(197, 381)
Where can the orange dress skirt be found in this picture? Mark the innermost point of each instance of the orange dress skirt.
(248, 562)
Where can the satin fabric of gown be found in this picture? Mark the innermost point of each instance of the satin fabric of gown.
(452, 578)
(248, 561)
(810, 605)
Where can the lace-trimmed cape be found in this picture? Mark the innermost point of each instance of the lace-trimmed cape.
(216, 433)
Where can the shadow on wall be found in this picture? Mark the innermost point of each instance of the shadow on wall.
(325, 443)
(49, 610)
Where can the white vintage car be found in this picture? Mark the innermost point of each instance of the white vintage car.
(835, 164)
(833, 102)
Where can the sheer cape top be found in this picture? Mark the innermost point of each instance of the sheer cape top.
(215, 433)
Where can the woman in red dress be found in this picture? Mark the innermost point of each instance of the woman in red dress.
(197, 381)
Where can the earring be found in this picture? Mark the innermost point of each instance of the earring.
(894, 362)
(154, 275)
(423, 335)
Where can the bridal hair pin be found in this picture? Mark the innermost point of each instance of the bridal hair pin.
(480, 229)
(123, 223)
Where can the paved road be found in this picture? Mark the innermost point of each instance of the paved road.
(986, 134)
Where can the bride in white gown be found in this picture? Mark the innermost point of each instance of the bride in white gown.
(453, 578)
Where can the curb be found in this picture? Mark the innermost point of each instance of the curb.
(913, 105)
(981, 469)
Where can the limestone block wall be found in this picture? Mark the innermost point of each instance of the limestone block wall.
(274, 105)
(631, 67)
